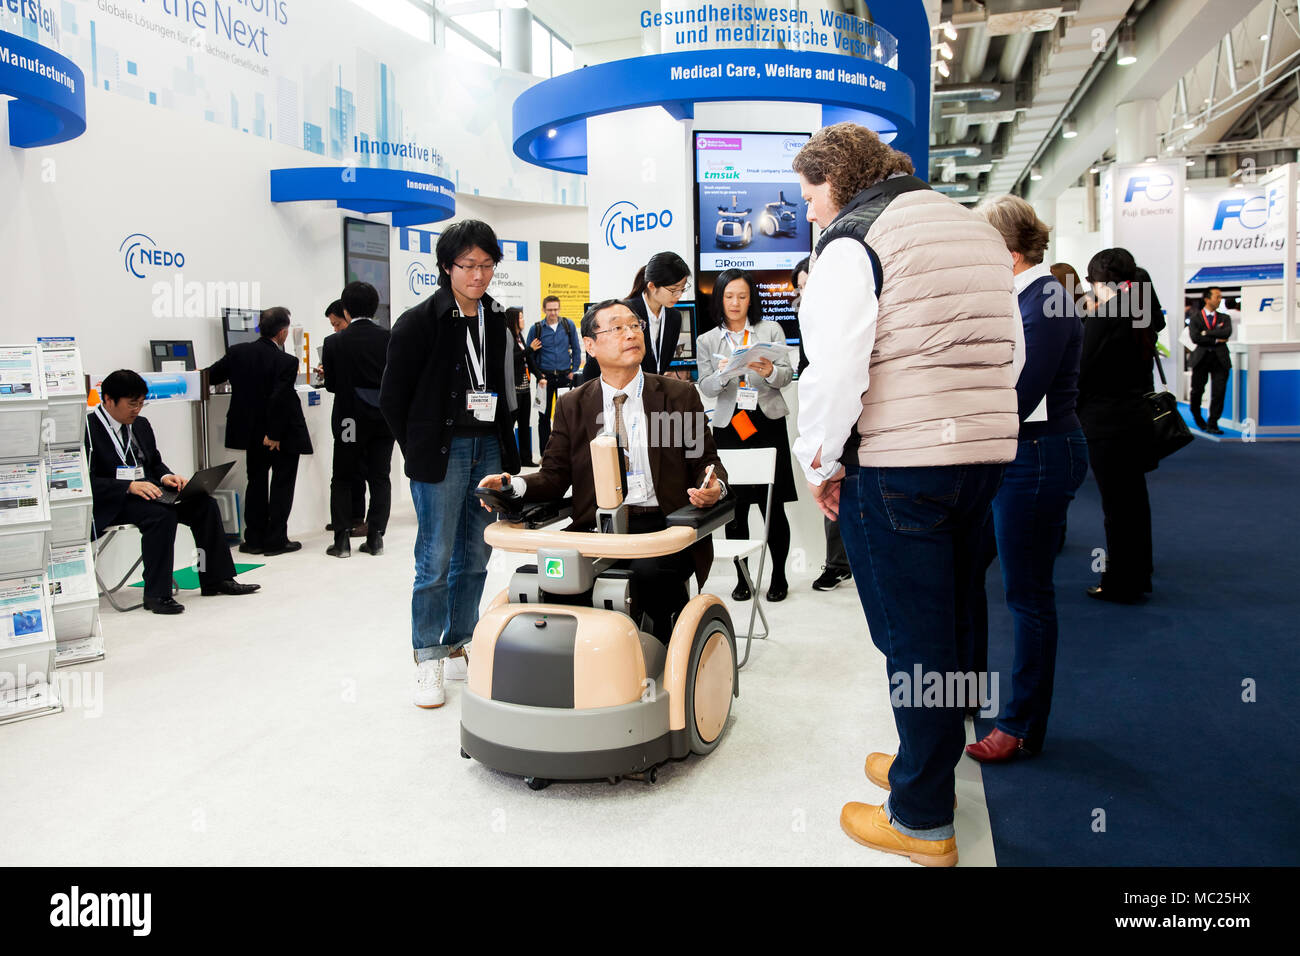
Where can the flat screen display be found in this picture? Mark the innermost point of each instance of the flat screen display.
(239, 325)
(366, 259)
(749, 215)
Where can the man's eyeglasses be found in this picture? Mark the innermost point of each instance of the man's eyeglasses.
(485, 269)
(636, 325)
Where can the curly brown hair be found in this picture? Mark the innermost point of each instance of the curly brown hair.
(851, 158)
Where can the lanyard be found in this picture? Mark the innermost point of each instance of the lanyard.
(659, 344)
(117, 438)
(477, 378)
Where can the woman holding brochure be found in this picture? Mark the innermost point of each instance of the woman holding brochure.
(743, 365)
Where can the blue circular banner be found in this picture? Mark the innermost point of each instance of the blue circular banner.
(550, 119)
(412, 198)
(49, 92)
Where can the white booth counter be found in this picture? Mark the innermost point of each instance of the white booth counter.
(1263, 397)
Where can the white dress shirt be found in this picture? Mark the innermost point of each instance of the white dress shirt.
(1029, 277)
(837, 321)
(656, 328)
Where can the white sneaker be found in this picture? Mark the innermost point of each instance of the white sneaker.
(428, 684)
(458, 667)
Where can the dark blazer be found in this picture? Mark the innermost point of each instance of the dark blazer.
(1115, 364)
(263, 402)
(1211, 344)
(421, 391)
(353, 362)
(672, 328)
(567, 460)
(107, 491)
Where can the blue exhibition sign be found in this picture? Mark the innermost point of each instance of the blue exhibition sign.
(550, 119)
(49, 104)
(412, 198)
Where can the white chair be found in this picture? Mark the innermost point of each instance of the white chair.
(101, 545)
(748, 466)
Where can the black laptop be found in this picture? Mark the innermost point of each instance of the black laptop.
(204, 482)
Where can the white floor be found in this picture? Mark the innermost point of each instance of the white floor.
(277, 729)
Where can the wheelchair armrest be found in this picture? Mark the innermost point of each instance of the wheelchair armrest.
(538, 514)
(705, 521)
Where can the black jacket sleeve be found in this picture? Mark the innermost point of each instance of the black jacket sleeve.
(556, 474)
(219, 371)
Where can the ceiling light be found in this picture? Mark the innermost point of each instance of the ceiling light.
(1191, 162)
(1127, 49)
(945, 50)
(1094, 170)
(1069, 130)
(949, 30)
(552, 133)
(1150, 159)
(943, 67)
(1263, 36)
(1035, 173)
(1189, 123)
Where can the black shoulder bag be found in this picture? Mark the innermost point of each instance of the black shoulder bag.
(1168, 430)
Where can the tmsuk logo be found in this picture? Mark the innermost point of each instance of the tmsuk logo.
(1156, 188)
(624, 218)
(1250, 213)
(420, 280)
(139, 252)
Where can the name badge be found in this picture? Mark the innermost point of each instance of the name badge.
(747, 399)
(127, 473)
(638, 490)
(482, 404)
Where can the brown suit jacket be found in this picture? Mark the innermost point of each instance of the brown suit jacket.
(579, 419)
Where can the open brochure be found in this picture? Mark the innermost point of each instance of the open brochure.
(739, 360)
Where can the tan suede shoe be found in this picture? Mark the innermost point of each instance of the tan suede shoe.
(870, 826)
(877, 768)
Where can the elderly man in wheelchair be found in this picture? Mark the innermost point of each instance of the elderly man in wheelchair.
(596, 662)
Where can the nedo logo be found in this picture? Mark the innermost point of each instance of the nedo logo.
(624, 218)
(1250, 213)
(140, 251)
(794, 145)
(420, 280)
(1156, 188)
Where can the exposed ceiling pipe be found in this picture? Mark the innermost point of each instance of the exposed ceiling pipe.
(1014, 55)
(976, 53)
(989, 131)
(967, 94)
(960, 128)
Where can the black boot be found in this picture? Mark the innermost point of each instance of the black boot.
(741, 592)
(374, 544)
(341, 548)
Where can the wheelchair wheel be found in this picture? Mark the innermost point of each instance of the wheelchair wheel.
(710, 680)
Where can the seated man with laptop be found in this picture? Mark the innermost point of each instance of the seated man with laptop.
(131, 484)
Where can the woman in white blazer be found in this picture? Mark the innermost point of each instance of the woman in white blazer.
(749, 411)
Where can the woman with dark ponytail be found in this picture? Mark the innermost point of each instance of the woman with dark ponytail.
(659, 284)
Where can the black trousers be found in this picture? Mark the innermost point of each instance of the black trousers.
(778, 531)
(157, 524)
(266, 515)
(659, 585)
(359, 493)
(1218, 376)
(1119, 465)
(836, 559)
(524, 423)
(371, 451)
(554, 380)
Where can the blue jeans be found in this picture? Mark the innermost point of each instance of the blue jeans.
(912, 537)
(1028, 519)
(450, 554)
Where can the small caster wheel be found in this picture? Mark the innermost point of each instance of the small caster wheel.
(537, 783)
(465, 755)
(613, 781)
(652, 776)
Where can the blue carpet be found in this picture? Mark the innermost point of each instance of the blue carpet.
(1148, 722)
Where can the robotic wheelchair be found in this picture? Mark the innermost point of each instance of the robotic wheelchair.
(563, 684)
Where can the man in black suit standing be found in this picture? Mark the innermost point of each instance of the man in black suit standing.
(353, 363)
(1210, 330)
(126, 471)
(265, 421)
(338, 322)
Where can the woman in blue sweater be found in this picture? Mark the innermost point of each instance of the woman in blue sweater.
(1051, 463)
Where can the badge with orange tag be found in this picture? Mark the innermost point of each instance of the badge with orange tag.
(743, 426)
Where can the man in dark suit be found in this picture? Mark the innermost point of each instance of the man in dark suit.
(1210, 330)
(338, 322)
(353, 362)
(660, 340)
(265, 421)
(663, 476)
(126, 471)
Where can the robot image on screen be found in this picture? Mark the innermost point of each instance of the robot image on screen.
(734, 230)
(564, 684)
(780, 218)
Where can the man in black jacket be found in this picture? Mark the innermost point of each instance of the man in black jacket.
(265, 421)
(126, 471)
(353, 362)
(448, 395)
(1210, 330)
